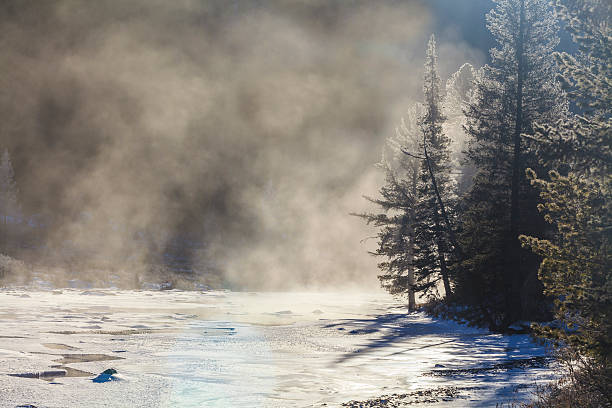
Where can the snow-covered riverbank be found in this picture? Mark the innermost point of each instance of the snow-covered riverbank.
(226, 349)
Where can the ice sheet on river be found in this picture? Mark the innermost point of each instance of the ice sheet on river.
(225, 349)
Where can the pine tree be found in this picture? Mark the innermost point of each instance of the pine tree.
(397, 201)
(459, 94)
(516, 90)
(584, 140)
(577, 261)
(415, 234)
(577, 265)
(433, 245)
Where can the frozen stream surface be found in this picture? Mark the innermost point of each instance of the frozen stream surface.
(228, 349)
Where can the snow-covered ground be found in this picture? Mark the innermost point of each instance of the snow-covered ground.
(226, 349)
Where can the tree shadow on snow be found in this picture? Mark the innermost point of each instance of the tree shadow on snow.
(402, 333)
(395, 328)
(506, 365)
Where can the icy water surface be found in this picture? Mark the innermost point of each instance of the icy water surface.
(226, 349)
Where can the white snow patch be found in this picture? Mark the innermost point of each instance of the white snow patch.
(222, 349)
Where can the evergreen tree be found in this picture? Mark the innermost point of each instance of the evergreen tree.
(577, 264)
(397, 201)
(577, 261)
(516, 90)
(435, 188)
(414, 234)
(584, 140)
(459, 93)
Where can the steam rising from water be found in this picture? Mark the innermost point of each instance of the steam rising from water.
(249, 127)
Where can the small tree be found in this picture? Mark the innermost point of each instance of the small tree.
(415, 233)
(397, 201)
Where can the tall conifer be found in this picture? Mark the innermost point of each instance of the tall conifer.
(433, 245)
(577, 260)
(516, 90)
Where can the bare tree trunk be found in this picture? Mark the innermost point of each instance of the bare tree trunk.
(434, 184)
(411, 282)
(443, 268)
(407, 230)
(441, 250)
(411, 296)
(518, 127)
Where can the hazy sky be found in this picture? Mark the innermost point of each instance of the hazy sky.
(252, 126)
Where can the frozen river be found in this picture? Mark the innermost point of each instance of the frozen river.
(228, 349)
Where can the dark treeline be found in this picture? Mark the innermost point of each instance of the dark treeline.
(518, 229)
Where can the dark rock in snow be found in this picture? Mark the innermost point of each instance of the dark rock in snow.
(106, 376)
(363, 331)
